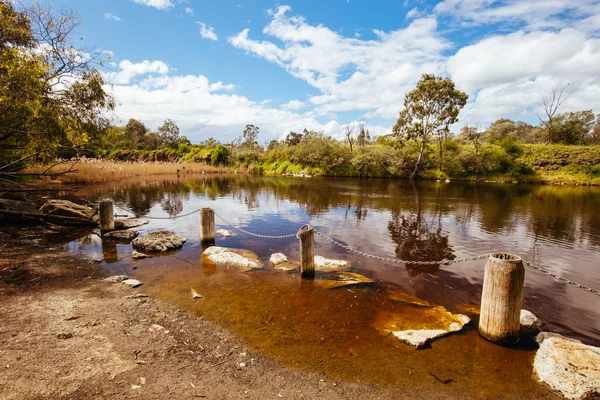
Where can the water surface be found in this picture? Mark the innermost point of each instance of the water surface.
(334, 331)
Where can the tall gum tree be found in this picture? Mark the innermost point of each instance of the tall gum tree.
(428, 111)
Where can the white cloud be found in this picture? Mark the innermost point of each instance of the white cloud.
(128, 71)
(357, 74)
(189, 10)
(200, 107)
(158, 4)
(372, 76)
(207, 32)
(293, 105)
(533, 13)
(111, 16)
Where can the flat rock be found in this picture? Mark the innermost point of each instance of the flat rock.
(567, 366)
(121, 236)
(223, 232)
(278, 258)
(530, 324)
(115, 278)
(243, 260)
(129, 223)
(66, 208)
(416, 326)
(156, 242)
(132, 282)
(136, 255)
(326, 264)
(343, 278)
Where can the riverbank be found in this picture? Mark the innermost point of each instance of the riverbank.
(67, 334)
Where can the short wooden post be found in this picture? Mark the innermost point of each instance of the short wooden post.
(207, 225)
(107, 216)
(307, 251)
(501, 299)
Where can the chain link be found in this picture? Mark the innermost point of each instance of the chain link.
(255, 234)
(175, 217)
(563, 279)
(398, 261)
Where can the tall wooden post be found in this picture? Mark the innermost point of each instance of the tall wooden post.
(107, 216)
(502, 298)
(307, 252)
(207, 225)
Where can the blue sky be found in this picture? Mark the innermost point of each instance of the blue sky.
(213, 66)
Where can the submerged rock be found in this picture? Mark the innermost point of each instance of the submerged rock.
(326, 264)
(136, 255)
(343, 278)
(278, 258)
(223, 232)
(417, 326)
(567, 366)
(243, 260)
(66, 208)
(121, 236)
(129, 223)
(530, 324)
(160, 241)
(408, 299)
(287, 266)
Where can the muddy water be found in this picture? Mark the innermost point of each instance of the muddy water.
(338, 332)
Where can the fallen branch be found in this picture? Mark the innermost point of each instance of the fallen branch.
(53, 219)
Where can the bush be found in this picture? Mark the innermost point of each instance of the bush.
(220, 155)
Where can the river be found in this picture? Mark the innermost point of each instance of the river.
(333, 331)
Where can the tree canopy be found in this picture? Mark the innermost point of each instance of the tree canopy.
(428, 111)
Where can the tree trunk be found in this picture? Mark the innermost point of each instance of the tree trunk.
(421, 151)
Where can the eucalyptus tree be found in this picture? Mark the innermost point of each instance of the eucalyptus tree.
(428, 111)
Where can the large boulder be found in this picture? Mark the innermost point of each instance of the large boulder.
(156, 242)
(242, 260)
(121, 236)
(121, 224)
(418, 328)
(66, 208)
(568, 366)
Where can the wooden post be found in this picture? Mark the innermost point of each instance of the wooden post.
(501, 299)
(107, 216)
(207, 225)
(307, 251)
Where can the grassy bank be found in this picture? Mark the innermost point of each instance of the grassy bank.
(96, 171)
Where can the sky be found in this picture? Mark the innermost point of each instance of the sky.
(215, 66)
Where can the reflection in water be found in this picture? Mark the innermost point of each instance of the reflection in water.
(556, 227)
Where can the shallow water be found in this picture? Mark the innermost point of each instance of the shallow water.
(335, 331)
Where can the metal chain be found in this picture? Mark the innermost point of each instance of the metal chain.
(175, 217)
(255, 234)
(398, 261)
(563, 279)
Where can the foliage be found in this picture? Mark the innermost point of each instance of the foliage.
(220, 155)
(50, 91)
(428, 112)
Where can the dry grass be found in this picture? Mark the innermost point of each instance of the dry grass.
(94, 171)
